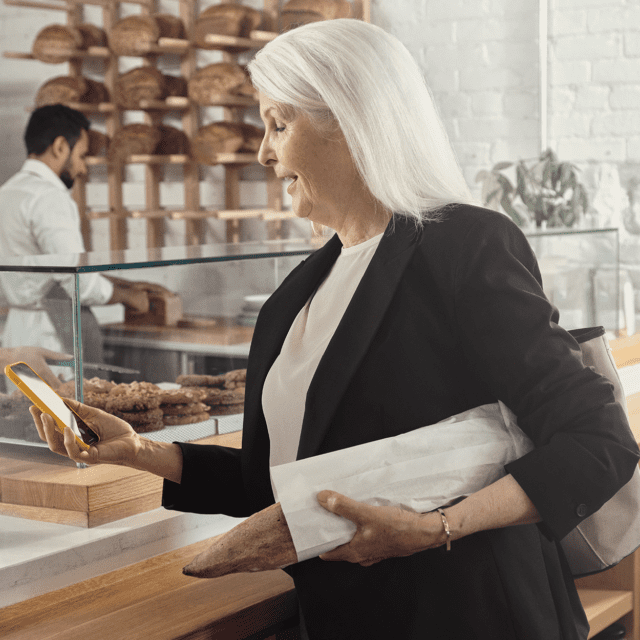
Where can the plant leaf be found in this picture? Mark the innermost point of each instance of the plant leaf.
(501, 166)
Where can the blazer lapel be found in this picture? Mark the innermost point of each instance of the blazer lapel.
(355, 332)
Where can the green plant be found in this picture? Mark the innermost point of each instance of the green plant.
(545, 190)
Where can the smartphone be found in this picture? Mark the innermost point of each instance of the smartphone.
(48, 401)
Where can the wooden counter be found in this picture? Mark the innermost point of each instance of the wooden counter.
(154, 600)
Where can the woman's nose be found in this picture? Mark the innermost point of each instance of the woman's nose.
(266, 156)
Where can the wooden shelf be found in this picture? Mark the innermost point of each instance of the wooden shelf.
(222, 158)
(201, 214)
(604, 607)
(91, 52)
(246, 43)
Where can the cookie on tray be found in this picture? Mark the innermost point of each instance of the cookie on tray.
(184, 395)
(184, 409)
(139, 417)
(226, 409)
(190, 419)
(237, 375)
(200, 380)
(148, 427)
(129, 401)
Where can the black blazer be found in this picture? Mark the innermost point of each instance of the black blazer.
(444, 319)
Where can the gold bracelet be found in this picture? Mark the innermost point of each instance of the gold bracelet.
(445, 524)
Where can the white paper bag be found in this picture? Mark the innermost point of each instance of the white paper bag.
(419, 471)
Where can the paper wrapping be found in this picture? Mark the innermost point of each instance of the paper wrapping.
(419, 471)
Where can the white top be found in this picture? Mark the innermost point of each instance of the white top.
(286, 385)
(38, 216)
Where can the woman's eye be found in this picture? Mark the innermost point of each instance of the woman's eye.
(279, 129)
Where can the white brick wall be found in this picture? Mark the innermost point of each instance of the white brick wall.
(594, 70)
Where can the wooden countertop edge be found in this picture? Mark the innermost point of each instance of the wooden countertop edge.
(154, 599)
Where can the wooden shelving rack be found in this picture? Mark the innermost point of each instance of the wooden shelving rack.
(190, 115)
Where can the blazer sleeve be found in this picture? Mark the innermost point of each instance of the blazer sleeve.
(511, 338)
(211, 482)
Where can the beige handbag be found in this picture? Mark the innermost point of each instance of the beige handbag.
(613, 532)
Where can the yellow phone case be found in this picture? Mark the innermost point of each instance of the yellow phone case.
(38, 402)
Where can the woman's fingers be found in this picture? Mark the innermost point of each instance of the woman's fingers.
(343, 506)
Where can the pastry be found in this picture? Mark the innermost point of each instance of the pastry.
(189, 419)
(138, 417)
(198, 380)
(184, 409)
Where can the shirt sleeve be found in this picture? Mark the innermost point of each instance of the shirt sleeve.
(512, 339)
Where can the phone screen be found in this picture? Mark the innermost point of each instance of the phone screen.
(52, 400)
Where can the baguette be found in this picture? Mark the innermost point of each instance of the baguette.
(262, 542)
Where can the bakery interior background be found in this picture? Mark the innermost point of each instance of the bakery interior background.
(510, 78)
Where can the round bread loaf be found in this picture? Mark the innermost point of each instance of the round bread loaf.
(96, 92)
(328, 9)
(252, 137)
(214, 80)
(61, 90)
(98, 143)
(141, 83)
(174, 86)
(92, 36)
(215, 138)
(172, 141)
(170, 26)
(292, 19)
(133, 139)
(226, 20)
(56, 43)
(132, 35)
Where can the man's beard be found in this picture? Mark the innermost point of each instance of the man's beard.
(65, 176)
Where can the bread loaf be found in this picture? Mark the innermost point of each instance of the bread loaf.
(133, 139)
(221, 78)
(251, 136)
(98, 143)
(174, 86)
(96, 92)
(92, 36)
(56, 43)
(70, 89)
(226, 20)
(146, 83)
(172, 141)
(215, 138)
(141, 83)
(260, 543)
(298, 12)
(61, 90)
(133, 35)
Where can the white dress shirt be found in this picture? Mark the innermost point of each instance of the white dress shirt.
(38, 216)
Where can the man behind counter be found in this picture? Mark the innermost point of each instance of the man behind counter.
(39, 216)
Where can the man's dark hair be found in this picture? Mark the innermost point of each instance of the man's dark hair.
(48, 122)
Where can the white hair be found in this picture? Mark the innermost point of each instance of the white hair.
(355, 73)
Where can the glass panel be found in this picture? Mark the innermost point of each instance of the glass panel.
(581, 277)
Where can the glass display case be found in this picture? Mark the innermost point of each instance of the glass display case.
(582, 278)
(203, 303)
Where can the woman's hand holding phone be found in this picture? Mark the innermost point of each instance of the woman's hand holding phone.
(119, 444)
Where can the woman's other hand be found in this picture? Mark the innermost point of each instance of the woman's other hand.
(382, 532)
(36, 358)
(119, 443)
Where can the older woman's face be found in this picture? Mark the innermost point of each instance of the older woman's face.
(320, 166)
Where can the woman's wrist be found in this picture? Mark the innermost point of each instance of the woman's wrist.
(160, 458)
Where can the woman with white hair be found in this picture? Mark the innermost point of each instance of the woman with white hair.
(420, 306)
